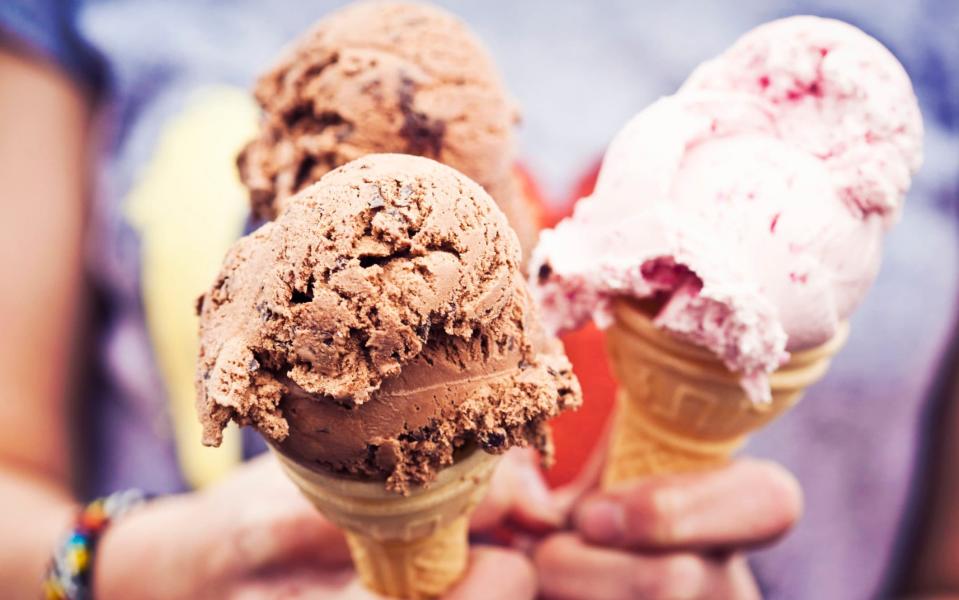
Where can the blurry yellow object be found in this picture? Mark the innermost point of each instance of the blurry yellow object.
(189, 207)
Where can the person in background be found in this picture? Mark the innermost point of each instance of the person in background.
(118, 127)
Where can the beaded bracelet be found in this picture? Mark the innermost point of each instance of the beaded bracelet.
(69, 575)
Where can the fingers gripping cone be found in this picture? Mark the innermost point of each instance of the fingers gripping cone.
(414, 546)
(679, 407)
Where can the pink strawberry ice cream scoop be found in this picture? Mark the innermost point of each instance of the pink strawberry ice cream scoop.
(839, 94)
(717, 203)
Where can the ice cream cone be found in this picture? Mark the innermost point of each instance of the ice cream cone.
(679, 407)
(413, 546)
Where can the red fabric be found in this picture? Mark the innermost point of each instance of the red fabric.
(576, 433)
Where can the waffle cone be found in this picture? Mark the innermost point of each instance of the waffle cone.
(413, 546)
(679, 407)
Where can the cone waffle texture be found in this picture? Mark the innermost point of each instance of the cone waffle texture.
(679, 407)
(413, 546)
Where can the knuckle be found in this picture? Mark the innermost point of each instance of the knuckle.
(678, 577)
(549, 554)
(656, 515)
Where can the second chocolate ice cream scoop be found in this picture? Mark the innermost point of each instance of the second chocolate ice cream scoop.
(380, 77)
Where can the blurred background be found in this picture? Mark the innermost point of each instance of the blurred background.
(579, 69)
(172, 81)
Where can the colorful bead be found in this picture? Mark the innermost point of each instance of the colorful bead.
(94, 517)
(52, 590)
(78, 559)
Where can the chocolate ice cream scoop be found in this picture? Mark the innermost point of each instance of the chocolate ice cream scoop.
(379, 77)
(380, 323)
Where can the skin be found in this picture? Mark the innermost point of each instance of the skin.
(684, 536)
(674, 536)
(273, 544)
(43, 120)
(203, 544)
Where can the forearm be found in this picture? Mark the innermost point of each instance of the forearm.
(43, 141)
(44, 121)
(36, 514)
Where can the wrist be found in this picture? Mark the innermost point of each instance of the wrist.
(37, 511)
(70, 574)
(56, 520)
(139, 556)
